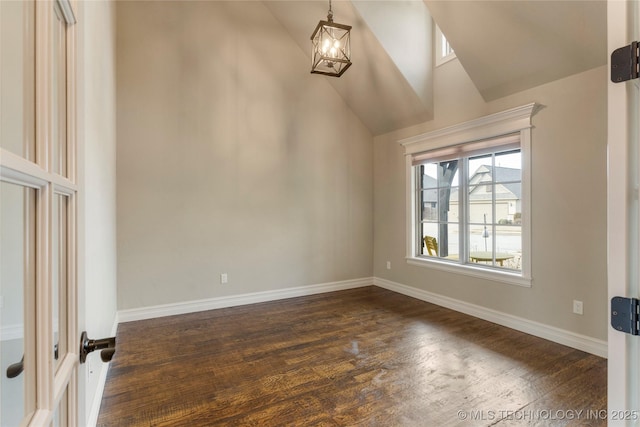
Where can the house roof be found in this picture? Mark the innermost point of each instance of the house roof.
(508, 186)
(504, 177)
(429, 181)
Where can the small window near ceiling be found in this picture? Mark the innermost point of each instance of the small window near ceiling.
(444, 51)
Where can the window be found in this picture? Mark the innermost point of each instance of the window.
(444, 51)
(468, 197)
(489, 231)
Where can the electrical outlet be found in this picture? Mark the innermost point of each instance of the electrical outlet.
(577, 307)
(388, 265)
(224, 278)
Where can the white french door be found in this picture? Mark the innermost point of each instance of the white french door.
(39, 340)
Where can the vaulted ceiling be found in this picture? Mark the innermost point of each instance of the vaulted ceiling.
(504, 46)
(510, 46)
(374, 87)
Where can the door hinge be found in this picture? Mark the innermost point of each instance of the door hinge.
(624, 63)
(625, 314)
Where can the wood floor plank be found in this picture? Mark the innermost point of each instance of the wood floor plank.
(366, 356)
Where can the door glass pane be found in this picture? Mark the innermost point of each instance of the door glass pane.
(60, 416)
(17, 78)
(59, 108)
(60, 277)
(17, 303)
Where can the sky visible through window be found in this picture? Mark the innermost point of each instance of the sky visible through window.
(446, 47)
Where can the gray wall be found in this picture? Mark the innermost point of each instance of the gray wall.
(97, 266)
(231, 158)
(568, 202)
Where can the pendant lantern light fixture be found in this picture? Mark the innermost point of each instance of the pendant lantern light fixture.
(331, 47)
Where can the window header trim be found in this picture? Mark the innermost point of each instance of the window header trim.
(502, 123)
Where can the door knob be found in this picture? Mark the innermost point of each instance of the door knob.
(107, 345)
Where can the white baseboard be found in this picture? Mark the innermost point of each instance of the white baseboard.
(94, 411)
(560, 336)
(236, 300)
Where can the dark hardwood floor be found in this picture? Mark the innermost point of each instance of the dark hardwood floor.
(366, 357)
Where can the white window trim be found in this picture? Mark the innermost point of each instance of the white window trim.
(441, 58)
(506, 122)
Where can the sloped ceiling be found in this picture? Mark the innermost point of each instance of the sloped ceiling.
(405, 31)
(505, 46)
(509, 46)
(374, 87)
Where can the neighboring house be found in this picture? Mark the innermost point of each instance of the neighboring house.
(508, 192)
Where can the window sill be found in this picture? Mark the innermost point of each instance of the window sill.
(473, 271)
(443, 60)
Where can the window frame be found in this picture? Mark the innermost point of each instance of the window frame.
(513, 121)
(442, 56)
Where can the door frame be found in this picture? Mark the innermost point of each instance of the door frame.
(622, 217)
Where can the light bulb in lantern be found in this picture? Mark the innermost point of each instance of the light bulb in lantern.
(325, 46)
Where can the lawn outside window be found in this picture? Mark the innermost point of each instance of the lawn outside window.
(468, 197)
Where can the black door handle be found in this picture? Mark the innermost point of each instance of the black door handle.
(15, 369)
(107, 345)
(107, 354)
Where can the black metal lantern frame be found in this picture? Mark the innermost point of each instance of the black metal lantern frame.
(331, 47)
